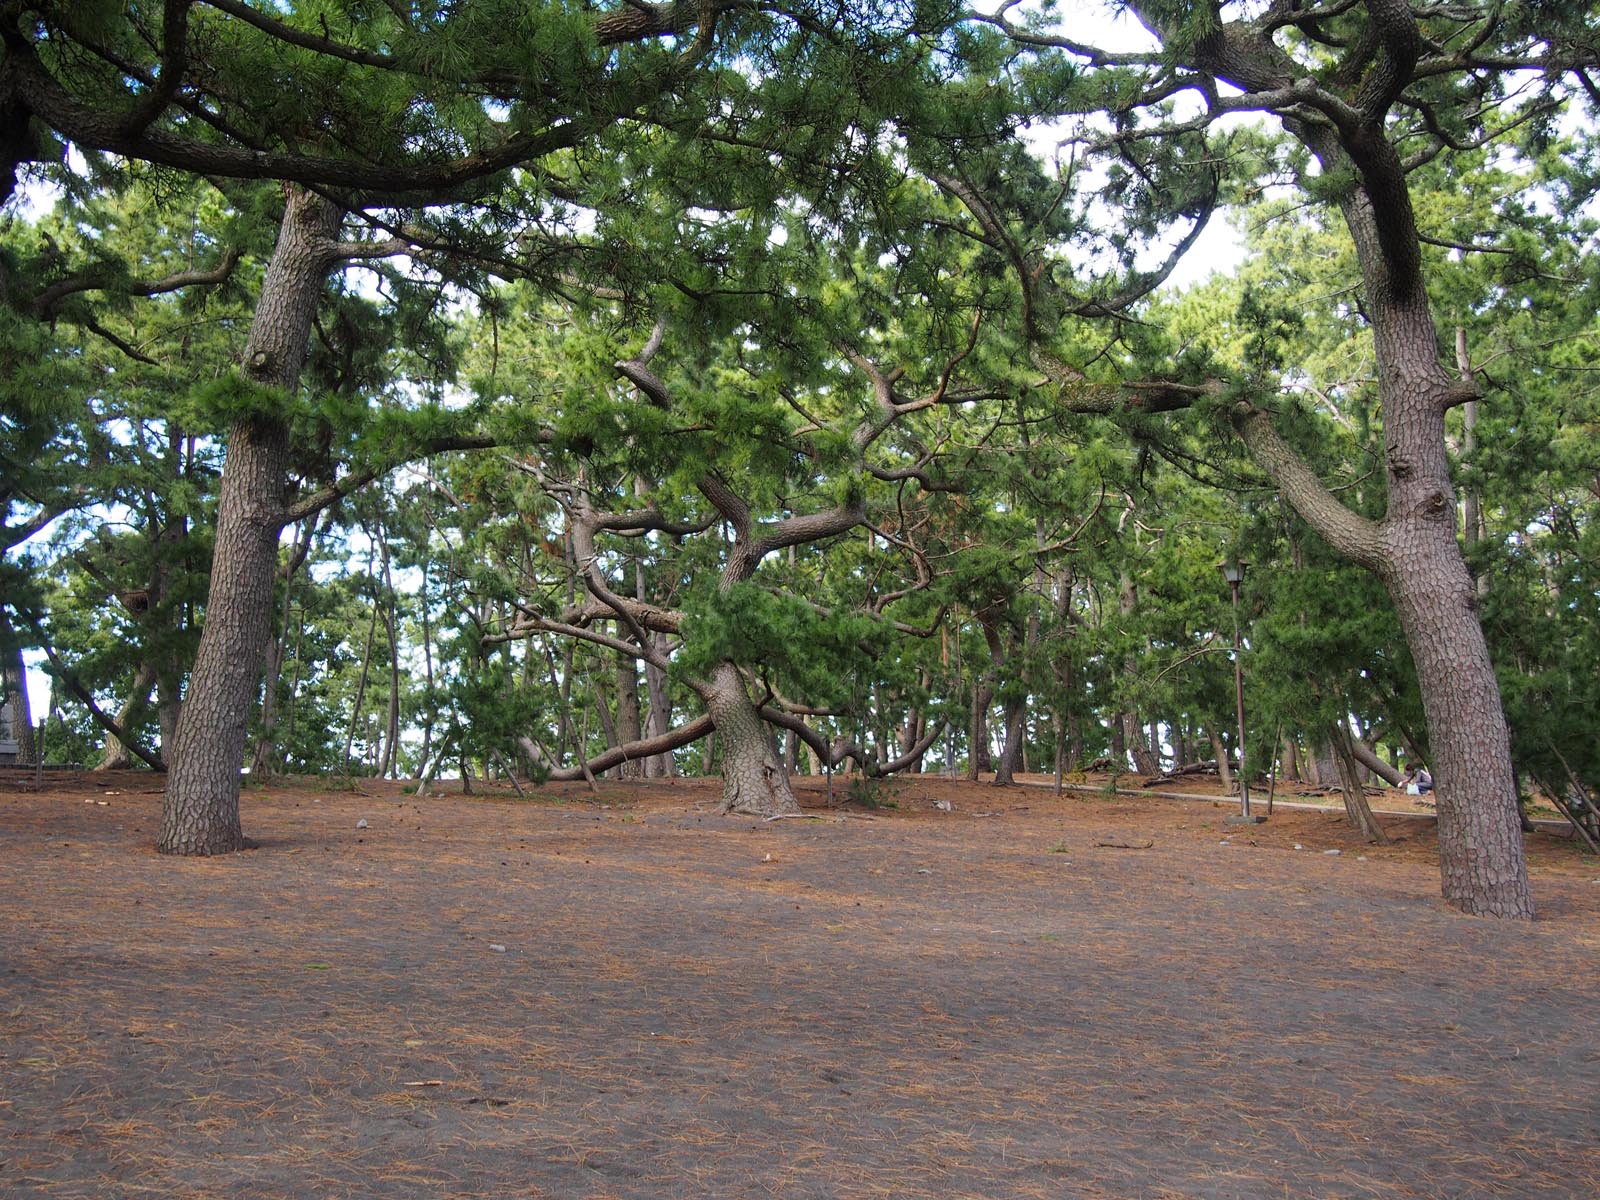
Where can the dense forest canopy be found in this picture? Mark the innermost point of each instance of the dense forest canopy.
(543, 390)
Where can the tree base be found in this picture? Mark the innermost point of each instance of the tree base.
(208, 849)
(771, 796)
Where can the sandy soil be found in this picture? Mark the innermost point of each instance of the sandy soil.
(627, 995)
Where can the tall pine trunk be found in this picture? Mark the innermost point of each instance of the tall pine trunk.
(201, 810)
(1482, 861)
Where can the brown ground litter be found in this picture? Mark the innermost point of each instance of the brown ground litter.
(626, 995)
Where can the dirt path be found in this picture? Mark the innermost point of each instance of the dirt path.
(628, 996)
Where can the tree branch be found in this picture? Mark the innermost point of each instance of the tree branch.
(643, 748)
(86, 698)
(1350, 534)
(357, 479)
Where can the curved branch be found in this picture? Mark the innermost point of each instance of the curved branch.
(355, 480)
(46, 303)
(1350, 534)
(644, 748)
(101, 718)
(532, 623)
(832, 755)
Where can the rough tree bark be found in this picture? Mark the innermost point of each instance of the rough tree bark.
(1340, 113)
(201, 810)
(629, 723)
(1413, 548)
(117, 756)
(1356, 807)
(753, 777)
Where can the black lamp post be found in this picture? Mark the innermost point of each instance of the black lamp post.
(1233, 571)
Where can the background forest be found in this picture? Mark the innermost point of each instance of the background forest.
(699, 388)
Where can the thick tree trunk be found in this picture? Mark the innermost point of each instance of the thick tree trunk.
(1292, 759)
(201, 810)
(753, 779)
(1134, 737)
(1320, 763)
(1482, 861)
(1481, 855)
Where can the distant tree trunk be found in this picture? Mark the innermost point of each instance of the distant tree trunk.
(1005, 773)
(366, 670)
(425, 752)
(201, 810)
(1224, 771)
(1133, 735)
(264, 758)
(978, 760)
(117, 757)
(663, 765)
(1013, 711)
(1324, 770)
(629, 725)
(1291, 759)
(388, 764)
(15, 676)
(1355, 795)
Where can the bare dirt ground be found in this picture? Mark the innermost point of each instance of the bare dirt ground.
(626, 995)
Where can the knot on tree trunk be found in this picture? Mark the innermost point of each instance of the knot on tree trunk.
(1400, 465)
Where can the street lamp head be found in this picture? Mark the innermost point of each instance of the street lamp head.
(1232, 569)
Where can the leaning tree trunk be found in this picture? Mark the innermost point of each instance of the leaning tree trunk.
(1483, 865)
(1413, 550)
(1356, 807)
(1016, 717)
(117, 756)
(753, 778)
(1013, 711)
(201, 810)
(1224, 771)
(1369, 759)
